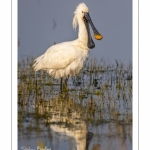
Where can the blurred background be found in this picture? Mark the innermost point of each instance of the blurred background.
(43, 23)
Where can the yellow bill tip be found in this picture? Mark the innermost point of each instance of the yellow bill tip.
(98, 36)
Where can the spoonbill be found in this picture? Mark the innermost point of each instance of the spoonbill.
(67, 58)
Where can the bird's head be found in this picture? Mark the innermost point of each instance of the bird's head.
(81, 9)
(82, 12)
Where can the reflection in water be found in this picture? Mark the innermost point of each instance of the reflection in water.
(56, 121)
(77, 132)
(94, 113)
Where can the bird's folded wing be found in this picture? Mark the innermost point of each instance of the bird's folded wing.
(58, 59)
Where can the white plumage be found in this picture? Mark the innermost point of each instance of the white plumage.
(62, 59)
(67, 58)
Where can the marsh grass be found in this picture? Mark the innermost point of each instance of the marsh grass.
(101, 93)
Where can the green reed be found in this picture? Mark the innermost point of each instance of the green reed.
(100, 94)
(101, 91)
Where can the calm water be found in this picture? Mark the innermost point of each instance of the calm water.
(94, 112)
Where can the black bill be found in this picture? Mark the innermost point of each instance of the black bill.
(97, 35)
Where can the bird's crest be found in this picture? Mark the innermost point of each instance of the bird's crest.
(81, 7)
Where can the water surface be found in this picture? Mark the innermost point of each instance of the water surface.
(94, 112)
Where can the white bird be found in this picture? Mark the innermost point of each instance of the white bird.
(68, 58)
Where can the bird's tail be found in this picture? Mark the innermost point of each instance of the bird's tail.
(38, 63)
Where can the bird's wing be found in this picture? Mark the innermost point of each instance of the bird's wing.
(58, 56)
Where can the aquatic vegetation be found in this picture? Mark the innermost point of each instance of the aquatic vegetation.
(100, 95)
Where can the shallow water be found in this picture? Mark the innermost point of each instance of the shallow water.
(94, 112)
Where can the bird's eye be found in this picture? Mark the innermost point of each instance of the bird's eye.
(82, 12)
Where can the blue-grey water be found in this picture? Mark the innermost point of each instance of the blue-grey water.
(94, 112)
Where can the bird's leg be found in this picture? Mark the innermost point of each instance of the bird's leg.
(61, 82)
(66, 81)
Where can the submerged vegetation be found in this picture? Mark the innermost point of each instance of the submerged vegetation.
(100, 94)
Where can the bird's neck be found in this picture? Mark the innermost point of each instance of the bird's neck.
(82, 34)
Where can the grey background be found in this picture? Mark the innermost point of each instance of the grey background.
(43, 22)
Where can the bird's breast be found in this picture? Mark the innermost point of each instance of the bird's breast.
(79, 62)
